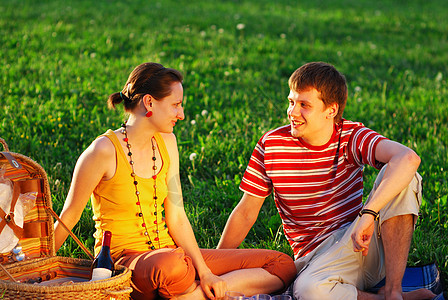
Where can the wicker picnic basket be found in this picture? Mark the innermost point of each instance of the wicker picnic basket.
(25, 279)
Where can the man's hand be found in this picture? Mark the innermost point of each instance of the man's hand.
(362, 234)
(213, 286)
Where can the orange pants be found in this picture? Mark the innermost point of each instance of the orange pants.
(169, 272)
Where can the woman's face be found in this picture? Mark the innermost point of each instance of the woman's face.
(167, 111)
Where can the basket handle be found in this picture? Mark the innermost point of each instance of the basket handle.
(7, 273)
(55, 215)
(5, 145)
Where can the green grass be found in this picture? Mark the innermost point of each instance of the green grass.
(60, 61)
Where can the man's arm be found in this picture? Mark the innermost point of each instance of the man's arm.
(402, 164)
(240, 221)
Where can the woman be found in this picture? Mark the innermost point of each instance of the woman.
(132, 176)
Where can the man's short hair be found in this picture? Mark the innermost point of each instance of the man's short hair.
(323, 77)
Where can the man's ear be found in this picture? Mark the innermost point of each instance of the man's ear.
(333, 110)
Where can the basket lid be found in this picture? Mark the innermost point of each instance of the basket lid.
(27, 176)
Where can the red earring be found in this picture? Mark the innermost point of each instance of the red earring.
(149, 113)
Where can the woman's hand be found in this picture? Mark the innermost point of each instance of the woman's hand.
(213, 286)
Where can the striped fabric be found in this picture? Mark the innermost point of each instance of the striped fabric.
(37, 240)
(316, 189)
(416, 277)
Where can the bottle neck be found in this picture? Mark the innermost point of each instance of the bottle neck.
(106, 239)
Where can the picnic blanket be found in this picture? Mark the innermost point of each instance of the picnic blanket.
(425, 276)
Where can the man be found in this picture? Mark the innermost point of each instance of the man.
(314, 167)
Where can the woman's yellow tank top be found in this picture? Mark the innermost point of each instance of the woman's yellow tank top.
(115, 208)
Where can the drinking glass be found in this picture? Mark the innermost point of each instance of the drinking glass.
(281, 297)
(261, 297)
(231, 295)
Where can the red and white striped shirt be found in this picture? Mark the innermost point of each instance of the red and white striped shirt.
(316, 189)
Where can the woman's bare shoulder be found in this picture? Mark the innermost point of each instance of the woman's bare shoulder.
(101, 148)
(169, 139)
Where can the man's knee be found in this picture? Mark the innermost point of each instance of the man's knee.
(311, 288)
(306, 288)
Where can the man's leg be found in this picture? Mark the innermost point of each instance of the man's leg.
(397, 235)
(333, 272)
(397, 226)
(341, 273)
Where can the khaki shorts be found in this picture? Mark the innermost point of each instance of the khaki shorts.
(334, 271)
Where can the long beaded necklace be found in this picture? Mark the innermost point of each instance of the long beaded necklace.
(137, 192)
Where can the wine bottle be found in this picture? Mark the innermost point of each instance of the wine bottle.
(103, 265)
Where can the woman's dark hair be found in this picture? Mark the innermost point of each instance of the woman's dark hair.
(323, 77)
(147, 78)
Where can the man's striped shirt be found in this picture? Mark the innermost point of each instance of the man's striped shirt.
(316, 189)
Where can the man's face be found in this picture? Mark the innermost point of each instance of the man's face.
(309, 118)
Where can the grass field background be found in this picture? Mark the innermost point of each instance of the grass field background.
(61, 59)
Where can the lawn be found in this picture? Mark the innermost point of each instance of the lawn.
(61, 59)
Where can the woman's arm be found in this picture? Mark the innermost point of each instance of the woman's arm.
(93, 165)
(180, 228)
